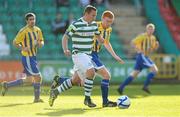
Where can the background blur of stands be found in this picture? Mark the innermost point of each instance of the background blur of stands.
(131, 16)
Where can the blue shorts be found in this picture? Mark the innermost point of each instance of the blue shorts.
(142, 62)
(96, 61)
(30, 65)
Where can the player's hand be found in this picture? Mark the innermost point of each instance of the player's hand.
(119, 60)
(40, 44)
(157, 45)
(25, 49)
(67, 52)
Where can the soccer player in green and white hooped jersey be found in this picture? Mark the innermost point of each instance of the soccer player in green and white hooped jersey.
(104, 27)
(82, 32)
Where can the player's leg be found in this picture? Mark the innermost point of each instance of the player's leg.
(33, 70)
(57, 81)
(101, 70)
(128, 80)
(37, 88)
(88, 85)
(151, 75)
(23, 78)
(105, 87)
(85, 70)
(19, 82)
(66, 85)
(137, 69)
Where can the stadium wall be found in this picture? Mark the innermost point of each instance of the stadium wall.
(11, 70)
(169, 66)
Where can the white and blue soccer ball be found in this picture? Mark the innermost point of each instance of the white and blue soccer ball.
(123, 102)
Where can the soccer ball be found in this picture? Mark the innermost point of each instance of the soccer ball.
(123, 102)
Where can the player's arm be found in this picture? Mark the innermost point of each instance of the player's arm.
(17, 41)
(40, 42)
(98, 36)
(154, 46)
(69, 32)
(135, 44)
(157, 45)
(108, 46)
(65, 45)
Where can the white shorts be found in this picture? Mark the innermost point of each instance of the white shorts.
(82, 63)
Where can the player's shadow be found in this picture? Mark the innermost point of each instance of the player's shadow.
(16, 104)
(61, 112)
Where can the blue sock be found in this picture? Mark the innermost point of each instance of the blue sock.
(15, 83)
(36, 90)
(150, 76)
(104, 90)
(62, 79)
(126, 82)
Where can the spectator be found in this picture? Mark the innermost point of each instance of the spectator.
(62, 3)
(98, 2)
(59, 25)
(84, 3)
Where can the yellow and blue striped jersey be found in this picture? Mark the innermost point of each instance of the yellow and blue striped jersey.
(105, 33)
(28, 37)
(145, 42)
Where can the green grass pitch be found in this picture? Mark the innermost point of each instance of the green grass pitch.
(164, 102)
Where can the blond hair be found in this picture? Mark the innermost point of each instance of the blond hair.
(150, 25)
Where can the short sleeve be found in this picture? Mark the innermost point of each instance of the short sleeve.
(138, 39)
(40, 35)
(96, 30)
(108, 36)
(70, 30)
(19, 37)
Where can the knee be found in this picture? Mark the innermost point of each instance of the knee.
(134, 74)
(75, 82)
(90, 73)
(37, 79)
(155, 70)
(106, 76)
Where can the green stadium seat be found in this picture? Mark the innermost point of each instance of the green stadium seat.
(12, 19)
(77, 12)
(17, 19)
(73, 3)
(5, 18)
(64, 11)
(39, 10)
(7, 27)
(50, 37)
(10, 37)
(100, 9)
(51, 10)
(3, 10)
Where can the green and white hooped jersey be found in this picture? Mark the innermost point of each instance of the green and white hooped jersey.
(82, 35)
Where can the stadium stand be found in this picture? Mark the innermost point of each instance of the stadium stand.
(12, 20)
(171, 18)
(162, 31)
(128, 23)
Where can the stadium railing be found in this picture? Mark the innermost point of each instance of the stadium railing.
(168, 66)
